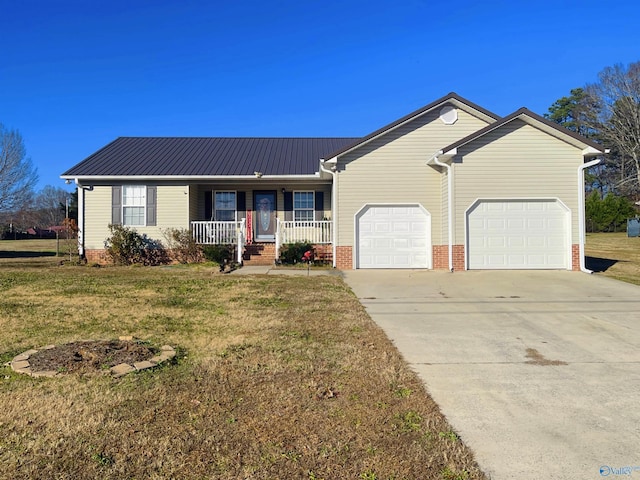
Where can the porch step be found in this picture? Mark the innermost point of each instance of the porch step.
(259, 254)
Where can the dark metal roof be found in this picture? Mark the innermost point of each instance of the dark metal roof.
(204, 156)
(517, 114)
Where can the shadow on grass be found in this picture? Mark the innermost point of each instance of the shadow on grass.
(599, 264)
(18, 254)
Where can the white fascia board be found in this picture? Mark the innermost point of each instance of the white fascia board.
(190, 178)
(448, 155)
(331, 161)
(591, 152)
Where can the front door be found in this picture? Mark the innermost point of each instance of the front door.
(265, 219)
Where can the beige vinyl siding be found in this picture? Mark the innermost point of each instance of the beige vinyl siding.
(97, 216)
(392, 169)
(517, 161)
(172, 212)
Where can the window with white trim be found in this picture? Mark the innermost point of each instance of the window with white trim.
(303, 206)
(133, 205)
(225, 206)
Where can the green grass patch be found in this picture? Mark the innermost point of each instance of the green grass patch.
(267, 385)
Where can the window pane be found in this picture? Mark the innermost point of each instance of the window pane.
(133, 195)
(303, 206)
(133, 216)
(303, 215)
(303, 200)
(225, 215)
(225, 206)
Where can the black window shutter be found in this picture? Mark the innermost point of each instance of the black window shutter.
(152, 193)
(208, 205)
(288, 206)
(319, 205)
(116, 205)
(241, 204)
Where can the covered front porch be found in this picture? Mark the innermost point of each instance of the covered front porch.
(242, 235)
(260, 215)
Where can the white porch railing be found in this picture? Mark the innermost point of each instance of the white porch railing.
(316, 232)
(217, 233)
(234, 233)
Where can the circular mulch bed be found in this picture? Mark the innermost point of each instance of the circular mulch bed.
(89, 356)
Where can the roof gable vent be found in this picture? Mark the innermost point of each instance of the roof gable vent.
(448, 115)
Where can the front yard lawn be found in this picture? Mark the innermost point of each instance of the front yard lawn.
(614, 255)
(276, 377)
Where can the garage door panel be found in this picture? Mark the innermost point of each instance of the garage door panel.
(517, 234)
(380, 227)
(393, 237)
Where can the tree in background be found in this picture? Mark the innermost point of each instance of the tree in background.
(609, 214)
(608, 112)
(50, 205)
(17, 175)
(577, 113)
(616, 100)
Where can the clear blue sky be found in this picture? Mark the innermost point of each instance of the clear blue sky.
(75, 75)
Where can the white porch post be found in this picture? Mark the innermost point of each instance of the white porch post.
(278, 238)
(80, 218)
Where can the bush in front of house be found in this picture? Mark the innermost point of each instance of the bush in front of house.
(125, 246)
(292, 253)
(182, 245)
(221, 254)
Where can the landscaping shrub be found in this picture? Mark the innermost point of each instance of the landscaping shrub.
(221, 254)
(182, 245)
(292, 253)
(125, 246)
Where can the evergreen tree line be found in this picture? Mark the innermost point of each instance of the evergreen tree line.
(608, 214)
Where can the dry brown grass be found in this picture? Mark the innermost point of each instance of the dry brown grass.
(614, 255)
(278, 377)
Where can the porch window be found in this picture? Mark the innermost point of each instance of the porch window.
(303, 206)
(133, 205)
(225, 206)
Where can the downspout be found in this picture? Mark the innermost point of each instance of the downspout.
(334, 210)
(80, 188)
(449, 204)
(581, 212)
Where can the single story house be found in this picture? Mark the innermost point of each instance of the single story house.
(449, 186)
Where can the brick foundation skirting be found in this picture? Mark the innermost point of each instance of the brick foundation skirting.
(344, 258)
(575, 257)
(96, 256)
(441, 257)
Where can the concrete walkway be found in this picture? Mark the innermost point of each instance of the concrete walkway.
(271, 270)
(539, 372)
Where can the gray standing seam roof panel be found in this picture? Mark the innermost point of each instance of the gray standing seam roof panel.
(207, 156)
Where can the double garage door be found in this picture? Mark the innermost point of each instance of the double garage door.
(526, 234)
(501, 234)
(393, 236)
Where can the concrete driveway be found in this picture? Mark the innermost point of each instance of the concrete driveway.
(539, 372)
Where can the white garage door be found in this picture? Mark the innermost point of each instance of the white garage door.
(518, 234)
(393, 236)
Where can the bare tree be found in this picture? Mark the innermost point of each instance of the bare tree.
(50, 205)
(17, 174)
(617, 99)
